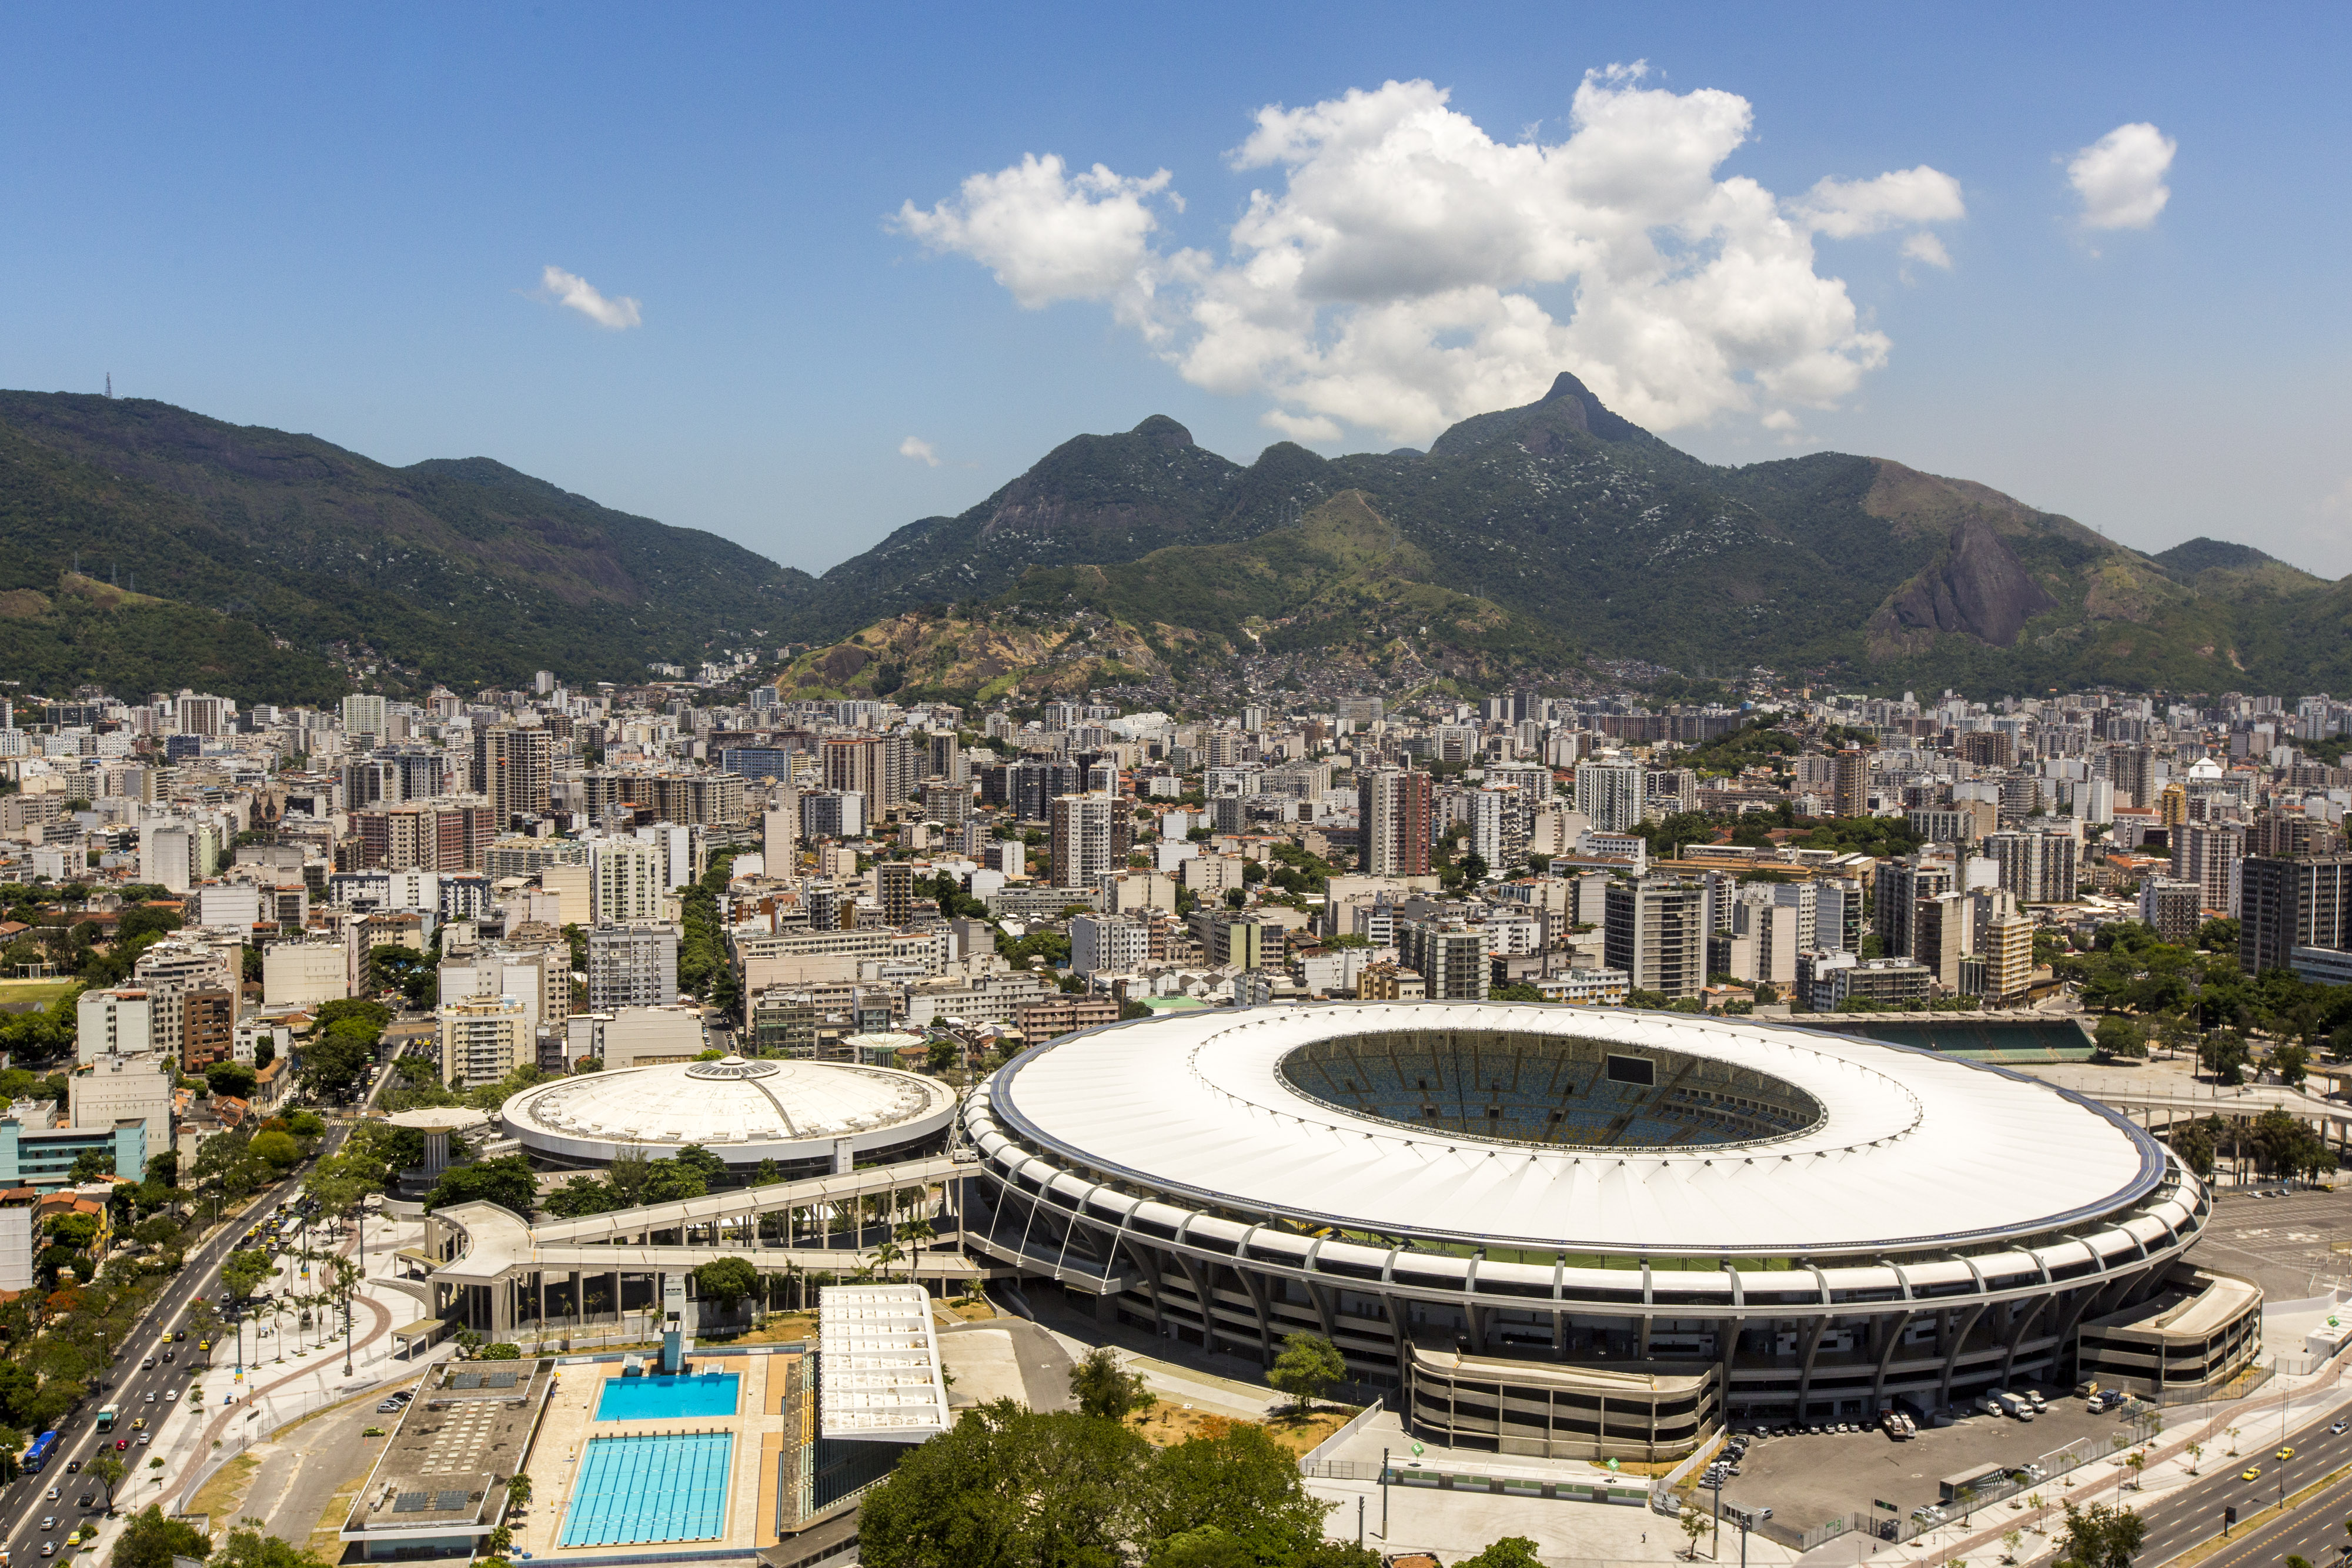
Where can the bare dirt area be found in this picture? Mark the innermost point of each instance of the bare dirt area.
(1164, 1424)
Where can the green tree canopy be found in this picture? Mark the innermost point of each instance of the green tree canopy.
(506, 1181)
(1308, 1364)
(151, 1541)
(234, 1078)
(278, 1148)
(727, 1280)
(1105, 1389)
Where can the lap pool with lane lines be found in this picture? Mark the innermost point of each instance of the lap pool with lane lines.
(659, 1486)
(668, 1398)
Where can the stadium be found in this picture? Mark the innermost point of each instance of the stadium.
(1570, 1232)
(809, 1117)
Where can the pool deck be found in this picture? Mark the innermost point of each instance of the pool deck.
(570, 1424)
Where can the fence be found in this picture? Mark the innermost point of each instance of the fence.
(2052, 1467)
(1307, 1460)
(1502, 1483)
(1663, 1487)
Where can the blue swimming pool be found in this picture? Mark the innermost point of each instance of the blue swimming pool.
(653, 1487)
(666, 1398)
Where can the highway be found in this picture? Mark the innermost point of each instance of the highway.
(57, 1492)
(2192, 1515)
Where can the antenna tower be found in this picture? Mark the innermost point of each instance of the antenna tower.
(109, 384)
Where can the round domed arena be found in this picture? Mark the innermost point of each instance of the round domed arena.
(804, 1115)
(1580, 1233)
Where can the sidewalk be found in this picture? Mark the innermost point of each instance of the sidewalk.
(196, 1438)
(2106, 1480)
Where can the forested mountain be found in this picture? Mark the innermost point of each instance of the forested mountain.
(150, 548)
(1585, 535)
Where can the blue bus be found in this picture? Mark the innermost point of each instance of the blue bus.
(39, 1454)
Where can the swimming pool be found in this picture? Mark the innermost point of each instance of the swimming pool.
(666, 1398)
(653, 1487)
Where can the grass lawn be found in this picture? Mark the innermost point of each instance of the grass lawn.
(44, 992)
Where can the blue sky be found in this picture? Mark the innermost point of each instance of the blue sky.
(340, 222)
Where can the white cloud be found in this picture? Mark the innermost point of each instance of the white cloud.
(1048, 234)
(1924, 246)
(1843, 209)
(1391, 282)
(575, 292)
(915, 447)
(2120, 177)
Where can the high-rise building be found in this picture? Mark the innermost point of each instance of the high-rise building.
(2006, 945)
(207, 1027)
(2038, 867)
(632, 967)
(2172, 908)
(1450, 958)
(1612, 792)
(365, 722)
(514, 768)
(1115, 945)
(1656, 931)
(2289, 904)
(627, 879)
(1940, 937)
(1850, 783)
(894, 886)
(483, 1039)
(1498, 828)
(1086, 838)
(1392, 818)
(2208, 853)
(1899, 886)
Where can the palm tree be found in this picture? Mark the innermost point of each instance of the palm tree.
(887, 1253)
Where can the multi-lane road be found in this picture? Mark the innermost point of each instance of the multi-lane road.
(2192, 1514)
(155, 1394)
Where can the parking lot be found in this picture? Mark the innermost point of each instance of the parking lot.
(2284, 1244)
(1806, 1479)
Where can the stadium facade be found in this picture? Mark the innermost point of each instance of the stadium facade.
(1573, 1232)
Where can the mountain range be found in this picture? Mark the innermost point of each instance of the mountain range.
(151, 548)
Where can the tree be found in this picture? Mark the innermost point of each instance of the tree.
(506, 1181)
(2010, 1539)
(1695, 1525)
(1511, 1551)
(151, 1541)
(109, 1469)
(278, 1148)
(2292, 1063)
(517, 1489)
(1105, 1389)
(2100, 1537)
(2121, 1036)
(2224, 1054)
(234, 1078)
(2196, 1451)
(89, 1166)
(1242, 1482)
(727, 1280)
(1308, 1364)
(1006, 1486)
(249, 1548)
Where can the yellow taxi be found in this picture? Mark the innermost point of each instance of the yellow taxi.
(2287, 1453)
(2250, 1473)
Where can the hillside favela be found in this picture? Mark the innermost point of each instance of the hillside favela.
(1542, 967)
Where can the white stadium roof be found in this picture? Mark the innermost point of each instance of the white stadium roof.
(1913, 1148)
(734, 1107)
